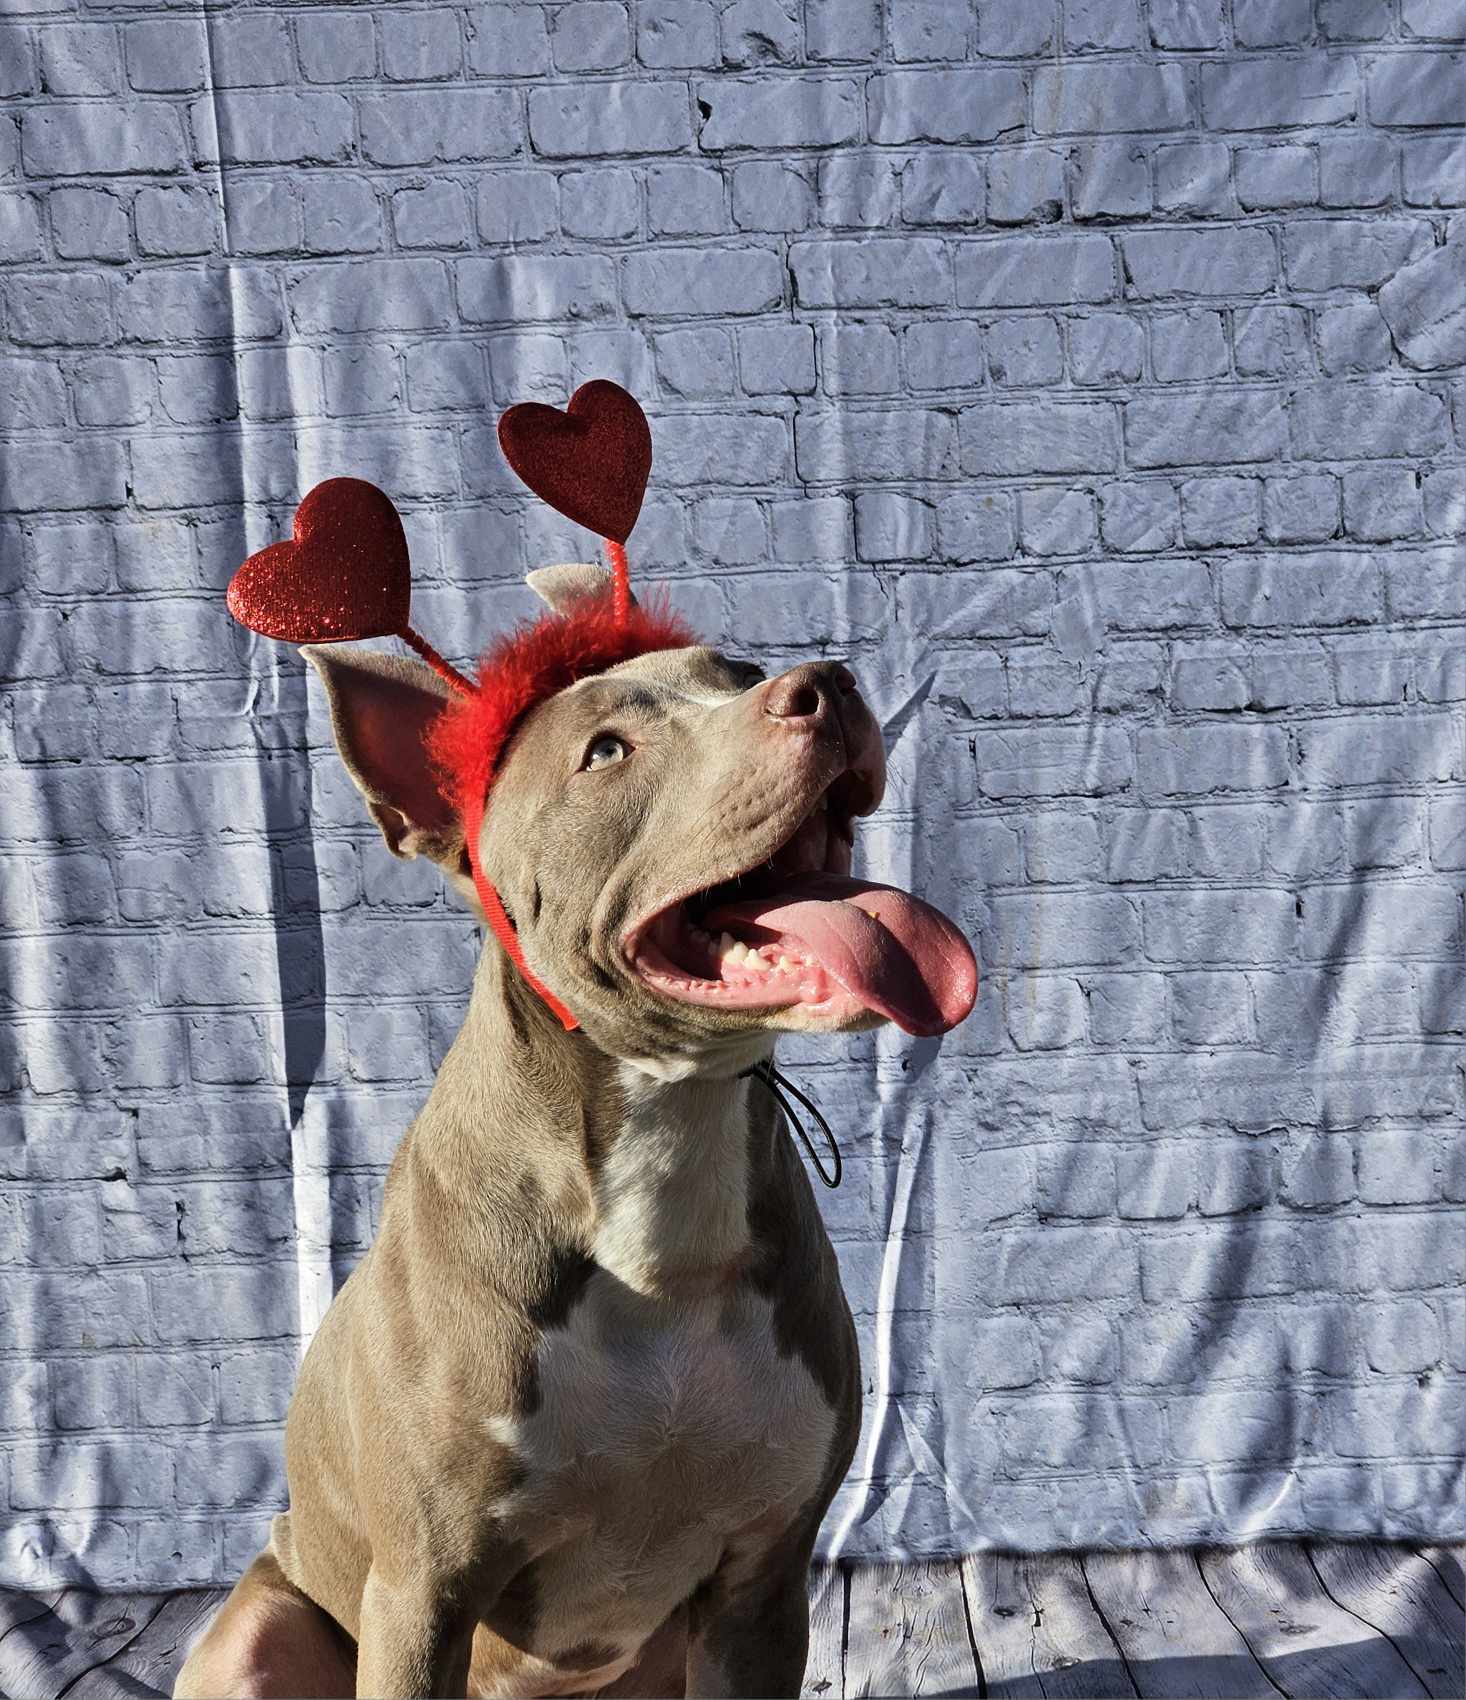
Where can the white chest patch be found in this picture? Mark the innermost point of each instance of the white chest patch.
(665, 1424)
(654, 1441)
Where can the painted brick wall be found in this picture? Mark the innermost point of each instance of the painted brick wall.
(1090, 371)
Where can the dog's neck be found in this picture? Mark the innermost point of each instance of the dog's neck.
(671, 1197)
(656, 1158)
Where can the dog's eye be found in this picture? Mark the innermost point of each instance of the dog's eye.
(604, 751)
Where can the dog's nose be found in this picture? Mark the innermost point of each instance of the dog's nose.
(807, 692)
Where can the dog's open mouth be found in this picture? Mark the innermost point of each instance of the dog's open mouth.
(797, 930)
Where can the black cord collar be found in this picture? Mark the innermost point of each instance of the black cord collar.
(770, 1076)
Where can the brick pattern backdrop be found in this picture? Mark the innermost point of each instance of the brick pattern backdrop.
(1090, 372)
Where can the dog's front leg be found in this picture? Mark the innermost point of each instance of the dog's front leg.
(413, 1644)
(748, 1631)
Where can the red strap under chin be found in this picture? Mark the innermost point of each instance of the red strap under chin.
(503, 927)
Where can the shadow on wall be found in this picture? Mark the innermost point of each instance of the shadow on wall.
(300, 955)
(277, 718)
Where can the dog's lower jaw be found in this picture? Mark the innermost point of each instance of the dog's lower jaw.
(501, 1001)
(735, 1055)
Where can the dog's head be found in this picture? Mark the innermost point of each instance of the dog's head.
(672, 840)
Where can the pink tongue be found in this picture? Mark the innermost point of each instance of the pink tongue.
(895, 953)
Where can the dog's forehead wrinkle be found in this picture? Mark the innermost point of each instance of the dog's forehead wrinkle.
(611, 696)
(701, 674)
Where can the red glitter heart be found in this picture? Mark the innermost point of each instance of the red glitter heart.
(345, 575)
(590, 462)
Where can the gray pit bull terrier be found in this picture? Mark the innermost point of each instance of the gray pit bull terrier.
(572, 1424)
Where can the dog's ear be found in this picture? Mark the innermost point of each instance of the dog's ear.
(381, 708)
(571, 582)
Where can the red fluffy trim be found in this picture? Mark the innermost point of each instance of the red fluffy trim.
(526, 666)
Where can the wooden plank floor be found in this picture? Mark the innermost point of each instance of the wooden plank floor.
(1336, 1621)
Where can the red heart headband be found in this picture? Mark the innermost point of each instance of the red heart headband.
(345, 575)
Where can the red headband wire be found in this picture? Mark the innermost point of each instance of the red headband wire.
(620, 581)
(444, 669)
